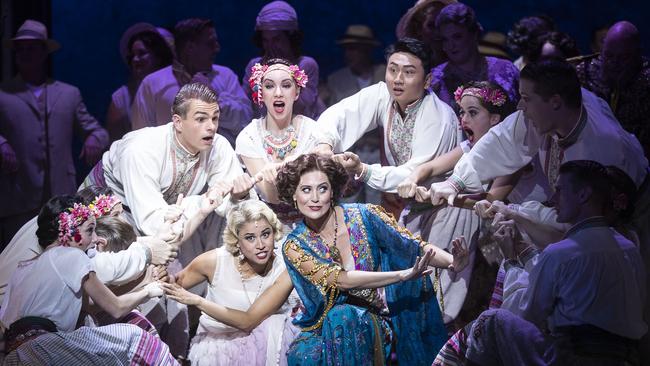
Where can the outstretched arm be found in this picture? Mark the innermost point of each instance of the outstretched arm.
(265, 305)
(117, 306)
(331, 275)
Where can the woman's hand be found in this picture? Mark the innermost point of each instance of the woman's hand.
(177, 293)
(420, 268)
(407, 188)
(461, 254)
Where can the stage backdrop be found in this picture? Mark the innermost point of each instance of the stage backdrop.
(89, 31)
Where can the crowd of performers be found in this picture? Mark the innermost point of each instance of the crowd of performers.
(520, 242)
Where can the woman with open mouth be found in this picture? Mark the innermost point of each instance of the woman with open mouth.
(280, 135)
(247, 311)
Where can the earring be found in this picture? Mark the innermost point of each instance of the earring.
(240, 256)
(295, 204)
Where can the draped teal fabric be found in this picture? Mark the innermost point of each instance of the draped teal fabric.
(349, 334)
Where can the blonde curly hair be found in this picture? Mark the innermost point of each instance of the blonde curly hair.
(247, 211)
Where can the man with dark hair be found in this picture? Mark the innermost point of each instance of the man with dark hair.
(556, 314)
(417, 127)
(550, 126)
(621, 76)
(196, 46)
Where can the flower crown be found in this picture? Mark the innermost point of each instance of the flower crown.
(488, 95)
(70, 219)
(103, 204)
(258, 71)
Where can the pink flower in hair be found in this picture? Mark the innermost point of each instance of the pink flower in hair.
(299, 76)
(71, 219)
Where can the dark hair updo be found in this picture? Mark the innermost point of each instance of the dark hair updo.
(48, 219)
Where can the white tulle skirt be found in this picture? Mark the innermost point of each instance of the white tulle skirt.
(265, 345)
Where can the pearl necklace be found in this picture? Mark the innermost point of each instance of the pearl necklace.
(243, 285)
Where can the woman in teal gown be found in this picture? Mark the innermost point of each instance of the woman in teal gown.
(339, 260)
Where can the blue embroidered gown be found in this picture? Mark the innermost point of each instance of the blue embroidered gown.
(354, 327)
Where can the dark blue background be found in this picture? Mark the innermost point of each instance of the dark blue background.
(90, 30)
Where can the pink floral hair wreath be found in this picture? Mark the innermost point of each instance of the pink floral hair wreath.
(488, 95)
(257, 74)
(70, 219)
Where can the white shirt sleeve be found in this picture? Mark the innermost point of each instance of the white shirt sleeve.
(118, 268)
(503, 150)
(72, 265)
(435, 133)
(346, 121)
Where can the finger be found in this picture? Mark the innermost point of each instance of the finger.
(427, 272)
(259, 177)
(179, 199)
(411, 191)
(450, 199)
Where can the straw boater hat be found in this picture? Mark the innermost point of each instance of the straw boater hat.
(358, 34)
(493, 44)
(33, 29)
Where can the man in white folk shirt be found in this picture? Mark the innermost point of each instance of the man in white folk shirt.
(147, 170)
(417, 127)
(578, 302)
(562, 122)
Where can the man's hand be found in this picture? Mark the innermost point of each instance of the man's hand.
(441, 192)
(161, 252)
(8, 161)
(422, 194)
(169, 231)
(324, 150)
(209, 202)
(407, 188)
(242, 185)
(91, 151)
(498, 207)
(507, 235)
(350, 161)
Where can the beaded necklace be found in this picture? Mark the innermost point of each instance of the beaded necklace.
(282, 145)
(243, 285)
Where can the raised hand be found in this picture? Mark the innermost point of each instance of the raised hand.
(420, 268)
(461, 254)
(407, 188)
(177, 293)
